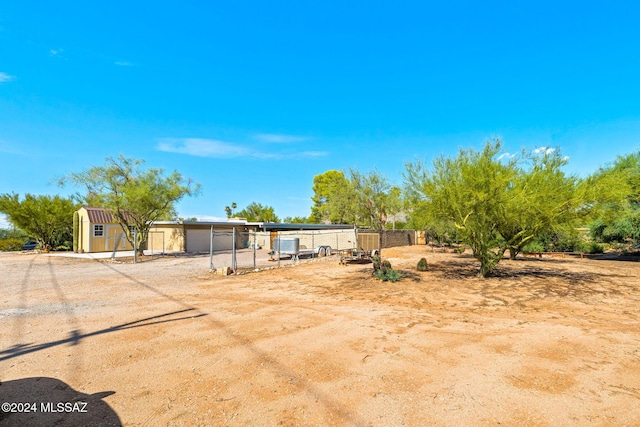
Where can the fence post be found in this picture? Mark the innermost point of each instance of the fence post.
(254, 250)
(233, 250)
(210, 250)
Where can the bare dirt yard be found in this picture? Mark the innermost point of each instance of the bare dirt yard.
(551, 341)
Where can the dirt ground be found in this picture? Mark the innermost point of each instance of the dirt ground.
(552, 341)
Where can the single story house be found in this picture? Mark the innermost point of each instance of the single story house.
(195, 236)
(96, 230)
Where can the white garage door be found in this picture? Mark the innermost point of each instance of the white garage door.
(198, 240)
(223, 240)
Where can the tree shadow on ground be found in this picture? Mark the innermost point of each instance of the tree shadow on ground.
(337, 408)
(76, 336)
(465, 267)
(43, 401)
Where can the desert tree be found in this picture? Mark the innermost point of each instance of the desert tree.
(501, 202)
(618, 218)
(333, 197)
(48, 219)
(296, 220)
(541, 198)
(374, 198)
(366, 199)
(135, 196)
(230, 209)
(258, 212)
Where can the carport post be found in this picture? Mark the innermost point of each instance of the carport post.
(278, 249)
(233, 252)
(313, 244)
(254, 250)
(211, 250)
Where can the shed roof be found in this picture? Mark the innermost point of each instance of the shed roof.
(100, 215)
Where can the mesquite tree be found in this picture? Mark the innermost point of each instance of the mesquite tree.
(136, 197)
(497, 201)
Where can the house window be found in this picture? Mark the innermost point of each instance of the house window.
(98, 230)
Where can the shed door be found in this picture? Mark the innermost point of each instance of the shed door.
(115, 235)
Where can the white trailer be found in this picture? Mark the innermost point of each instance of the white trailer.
(290, 246)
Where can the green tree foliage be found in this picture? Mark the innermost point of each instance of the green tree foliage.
(375, 199)
(471, 192)
(48, 219)
(332, 199)
(257, 212)
(541, 198)
(135, 196)
(619, 220)
(12, 239)
(366, 199)
(561, 238)
(296, 220)
(229, 210)
(497, 203)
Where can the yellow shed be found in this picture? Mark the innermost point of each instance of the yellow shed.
(96, 230)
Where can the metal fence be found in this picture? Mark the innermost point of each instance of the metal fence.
(238, 251)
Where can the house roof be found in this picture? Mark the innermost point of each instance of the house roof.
(100, 215)
(265, 226)
(200, 224)
(104, 216)
(274, 226)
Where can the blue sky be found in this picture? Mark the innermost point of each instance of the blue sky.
(253, 99)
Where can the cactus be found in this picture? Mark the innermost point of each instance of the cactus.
(376, 264)
(76, 231)
(383, 271)
(422, 264)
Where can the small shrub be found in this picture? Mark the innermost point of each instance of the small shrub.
(534, 247)
(621, 247)
(379, 265)
(11, 244)
(383, 271)
(594, 248)
(460, 249)
(422, 264)
(390, 275)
